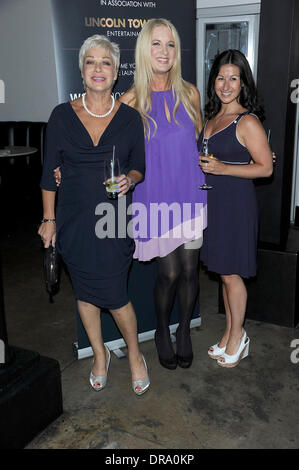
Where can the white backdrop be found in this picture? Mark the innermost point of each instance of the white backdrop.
(27, 60)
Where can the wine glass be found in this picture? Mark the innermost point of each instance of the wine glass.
(112, 173)
(205, 153)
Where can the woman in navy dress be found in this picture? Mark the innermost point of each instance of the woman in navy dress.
(239, 152)
(80, 136)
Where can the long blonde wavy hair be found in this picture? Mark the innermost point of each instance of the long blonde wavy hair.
(144, 76)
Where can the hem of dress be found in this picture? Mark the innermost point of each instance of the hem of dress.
(161, 247)
(227, 273)
(91, 300)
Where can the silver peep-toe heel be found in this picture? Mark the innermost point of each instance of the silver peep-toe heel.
(98, 382)
(140, 386)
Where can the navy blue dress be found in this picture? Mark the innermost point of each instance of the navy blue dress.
(230, 240)
(98, 266)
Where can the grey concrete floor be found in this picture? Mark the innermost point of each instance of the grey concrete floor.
(252, 406)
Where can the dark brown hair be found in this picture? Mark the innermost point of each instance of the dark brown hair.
(248, 96)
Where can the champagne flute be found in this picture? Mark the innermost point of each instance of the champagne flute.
(112, 173)
(205, 153)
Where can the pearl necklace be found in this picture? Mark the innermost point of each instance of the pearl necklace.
(97, 115)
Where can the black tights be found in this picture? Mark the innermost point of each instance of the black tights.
(177, 274)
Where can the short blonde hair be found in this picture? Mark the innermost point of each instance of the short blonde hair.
(100, 41)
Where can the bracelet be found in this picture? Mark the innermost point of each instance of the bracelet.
(133, 184)
(48, 220)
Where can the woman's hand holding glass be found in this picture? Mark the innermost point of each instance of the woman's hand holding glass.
(211, 164)
(124, 183)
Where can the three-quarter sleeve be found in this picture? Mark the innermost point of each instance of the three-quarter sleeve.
(137, 155)
(52, 152)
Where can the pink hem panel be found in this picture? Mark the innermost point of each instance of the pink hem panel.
(146, 251)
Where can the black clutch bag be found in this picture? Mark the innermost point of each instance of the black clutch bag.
(52, 268)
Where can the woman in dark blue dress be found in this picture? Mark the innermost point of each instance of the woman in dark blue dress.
(80, 136)
(239, 152)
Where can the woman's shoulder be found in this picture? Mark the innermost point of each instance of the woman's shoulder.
(248, 123)
(131, 114)
(193, 93)
(129, 97)
(249, 119)
(59, 111)
(76, 103)
(193, 89)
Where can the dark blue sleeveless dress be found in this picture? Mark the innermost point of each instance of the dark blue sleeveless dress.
(230, 240)
(98, 266)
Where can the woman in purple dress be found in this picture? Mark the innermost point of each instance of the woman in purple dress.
(170, 109)
(235, 138)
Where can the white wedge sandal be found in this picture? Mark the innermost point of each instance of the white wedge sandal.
(232, 360)
(215, 352)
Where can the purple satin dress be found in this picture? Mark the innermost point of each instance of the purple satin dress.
(168, 208)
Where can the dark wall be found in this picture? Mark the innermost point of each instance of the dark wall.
(278, 65)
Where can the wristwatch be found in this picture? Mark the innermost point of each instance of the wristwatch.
(133, 184)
